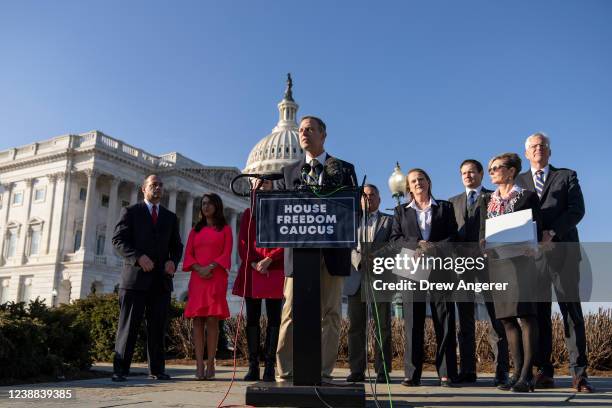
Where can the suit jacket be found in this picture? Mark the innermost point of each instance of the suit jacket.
(459, 203)
(562, 203)
(135, 235)
(337, 260)
(382, 232)
(405, 230)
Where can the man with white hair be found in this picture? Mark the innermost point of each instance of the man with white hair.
(562, 208)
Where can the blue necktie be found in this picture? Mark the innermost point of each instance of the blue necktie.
(539, 182)
(471, 198)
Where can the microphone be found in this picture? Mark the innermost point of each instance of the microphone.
(306, 168)
(333, 173)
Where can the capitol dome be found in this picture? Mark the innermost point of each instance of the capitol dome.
(282, 146)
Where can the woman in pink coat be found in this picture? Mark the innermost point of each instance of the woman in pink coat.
(207, 257)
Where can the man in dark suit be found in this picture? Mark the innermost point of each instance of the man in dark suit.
(374, 231)
(468, 217)
(147, 237)
(562, 207)
(323, 170)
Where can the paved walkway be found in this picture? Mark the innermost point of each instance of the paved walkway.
(184, 391)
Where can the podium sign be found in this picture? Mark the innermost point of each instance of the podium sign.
(306, 220)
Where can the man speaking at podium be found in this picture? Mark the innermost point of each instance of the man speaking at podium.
(321, 169)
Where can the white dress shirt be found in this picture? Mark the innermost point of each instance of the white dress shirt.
(150, 207)
(321, 159)
(423, 217)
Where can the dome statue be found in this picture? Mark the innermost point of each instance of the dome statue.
(282, 146)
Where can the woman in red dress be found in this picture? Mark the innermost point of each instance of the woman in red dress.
(208, 258)
(261, 276)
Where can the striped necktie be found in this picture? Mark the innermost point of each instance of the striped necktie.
(471, 199)
(539, 182)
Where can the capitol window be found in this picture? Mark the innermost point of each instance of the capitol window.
(39, 194)
(11, 240)
(18, 198)
(82, 194)
(4, 288)
(25, 288)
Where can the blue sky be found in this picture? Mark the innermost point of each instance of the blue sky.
(424, 83)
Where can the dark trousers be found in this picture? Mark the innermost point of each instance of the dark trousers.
(357, 334)
(133, 305)
(273, 311)
(565, 282)
(443, 316)
(467, 339)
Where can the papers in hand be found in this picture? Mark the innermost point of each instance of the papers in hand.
(415, 270)
(511, 234)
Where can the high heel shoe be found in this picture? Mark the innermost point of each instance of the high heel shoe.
(507, 386)
(210, 372)
(524, 386)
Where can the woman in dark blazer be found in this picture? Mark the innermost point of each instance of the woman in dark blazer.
(519, 271)
(418, 225)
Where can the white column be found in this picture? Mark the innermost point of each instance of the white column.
(51, 204)
(6, 205)
(172, 200)
(134, 194)
(233, 222)
(28, 207)
(111, 216)
(89, 222)
(188, 218)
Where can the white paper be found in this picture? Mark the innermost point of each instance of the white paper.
(420, 273)
(511, 234)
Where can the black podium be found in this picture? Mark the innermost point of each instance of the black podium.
(307, 222)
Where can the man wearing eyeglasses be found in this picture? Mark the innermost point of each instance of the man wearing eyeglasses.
(562, 207)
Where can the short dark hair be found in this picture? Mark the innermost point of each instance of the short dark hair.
(373, 187)
(218, 217)
(149, 176)
(474, 162)
(318, 120)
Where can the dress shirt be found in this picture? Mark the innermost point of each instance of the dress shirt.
(478, 190)
(545, 171)
(424, 217)
(150, 207)
(321, 159)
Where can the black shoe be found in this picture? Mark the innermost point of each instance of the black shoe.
(466, 378)
(407, 382)
(118, 378)
(500, 379)
(253, 373)
(355, 378)
(160, 376)
(252, 333)
(524, 386)
(507, 386)
(447, 383)
(270, 351)
(381, 378)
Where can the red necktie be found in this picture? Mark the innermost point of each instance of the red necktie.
(154, 215)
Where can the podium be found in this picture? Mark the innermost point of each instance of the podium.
(308, 223)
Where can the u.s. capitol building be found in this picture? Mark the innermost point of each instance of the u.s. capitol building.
(60, 200)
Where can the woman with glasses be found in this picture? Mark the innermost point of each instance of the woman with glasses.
(518, 269)
(423, 225)
(261, 276)
(208, 258)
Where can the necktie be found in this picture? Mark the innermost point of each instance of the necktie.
(539, 182)
(154, 214)
(471, 198)
(315, 168)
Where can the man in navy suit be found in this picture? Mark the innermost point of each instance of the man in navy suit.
(468, 216)
(147, 237)
(326, 171)
(562, 207)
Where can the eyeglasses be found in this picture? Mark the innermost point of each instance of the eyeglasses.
(542, 146)
(495, 168)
